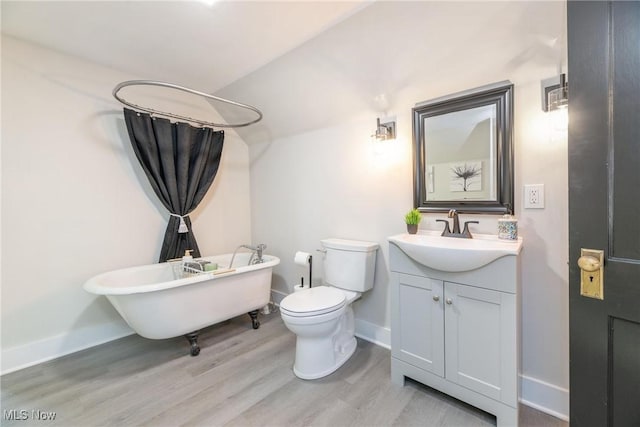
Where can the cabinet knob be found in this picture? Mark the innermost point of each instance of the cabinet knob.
(436, 298)
(449, 301)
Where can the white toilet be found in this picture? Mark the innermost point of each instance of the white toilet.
(322, 317)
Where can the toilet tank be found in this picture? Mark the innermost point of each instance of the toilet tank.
(349, 264)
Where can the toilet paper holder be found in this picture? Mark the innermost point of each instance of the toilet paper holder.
(301, 258)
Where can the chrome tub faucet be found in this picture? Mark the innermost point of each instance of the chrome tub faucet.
(257, 251)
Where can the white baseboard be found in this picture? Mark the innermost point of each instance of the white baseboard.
(23, 356)
(277, 296)
(545, 397)
(373, 333)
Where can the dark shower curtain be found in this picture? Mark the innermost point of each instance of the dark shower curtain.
(181, 162)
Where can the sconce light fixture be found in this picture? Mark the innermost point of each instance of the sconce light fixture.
(385, 131)
(555, 93)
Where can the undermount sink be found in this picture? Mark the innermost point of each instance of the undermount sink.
(452, 254)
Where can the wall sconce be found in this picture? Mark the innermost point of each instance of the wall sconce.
(555, 93)
(382, 139)
(555, 101)
(385, 131)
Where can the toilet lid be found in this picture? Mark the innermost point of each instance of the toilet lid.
(314, 301)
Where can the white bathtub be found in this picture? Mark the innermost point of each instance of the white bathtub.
(157, 306)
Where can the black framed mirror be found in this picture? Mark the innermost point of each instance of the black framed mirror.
(463, 151)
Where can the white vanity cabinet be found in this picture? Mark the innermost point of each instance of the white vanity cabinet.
(458, 332)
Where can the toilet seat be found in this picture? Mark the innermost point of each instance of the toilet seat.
(313, 302)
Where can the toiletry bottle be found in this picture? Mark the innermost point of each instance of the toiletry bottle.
(187, 264)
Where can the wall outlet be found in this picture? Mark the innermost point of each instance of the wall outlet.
(534, 196)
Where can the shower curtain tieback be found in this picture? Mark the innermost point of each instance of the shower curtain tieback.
(183, 226)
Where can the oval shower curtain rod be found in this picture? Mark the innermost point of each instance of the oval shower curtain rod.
(184, 89)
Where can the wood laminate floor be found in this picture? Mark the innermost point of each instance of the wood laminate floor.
(242, 377)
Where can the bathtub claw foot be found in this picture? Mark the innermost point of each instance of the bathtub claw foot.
(193, 340)
(254, 319)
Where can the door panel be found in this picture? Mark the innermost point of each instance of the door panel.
(626, 156)
(420, 336)
(604, 209)
(476, 338)
(625, 337)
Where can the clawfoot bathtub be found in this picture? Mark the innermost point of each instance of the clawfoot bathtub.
(157, 306)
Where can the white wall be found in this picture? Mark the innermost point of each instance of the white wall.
(75, 203)
(313, 174)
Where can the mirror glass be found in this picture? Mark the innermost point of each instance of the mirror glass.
(463, 151)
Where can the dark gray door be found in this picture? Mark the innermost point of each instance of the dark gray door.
(604, 210)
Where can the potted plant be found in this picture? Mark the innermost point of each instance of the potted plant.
(413, 218)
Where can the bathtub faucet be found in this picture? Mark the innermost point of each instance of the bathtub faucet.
(256, 250)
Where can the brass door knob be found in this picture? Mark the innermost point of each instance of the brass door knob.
(588, 263)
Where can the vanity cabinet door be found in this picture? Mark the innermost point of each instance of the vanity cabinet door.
(480, 339)
(417, 331)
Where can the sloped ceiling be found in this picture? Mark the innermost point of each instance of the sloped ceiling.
(201, 44)
(407, 51)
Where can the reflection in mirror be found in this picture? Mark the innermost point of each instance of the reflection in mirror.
(463, 151)
(461, 155)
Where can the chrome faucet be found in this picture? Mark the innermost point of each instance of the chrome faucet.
(256, 250)
(466, 234)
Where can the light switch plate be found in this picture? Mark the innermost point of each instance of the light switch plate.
(534, 196)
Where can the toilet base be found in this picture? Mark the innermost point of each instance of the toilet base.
(341, 357)
(324, 342)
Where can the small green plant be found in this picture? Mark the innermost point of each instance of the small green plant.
(413, 217)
